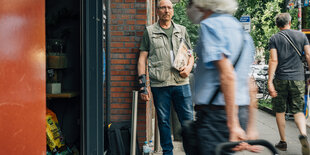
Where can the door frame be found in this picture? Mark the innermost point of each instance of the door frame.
(92, 53)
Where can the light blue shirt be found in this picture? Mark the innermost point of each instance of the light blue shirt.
(222, 34)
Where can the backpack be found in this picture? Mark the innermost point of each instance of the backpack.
(119, 138)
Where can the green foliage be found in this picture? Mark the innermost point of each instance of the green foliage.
(262, 13)
(180, 17)
(265, 103)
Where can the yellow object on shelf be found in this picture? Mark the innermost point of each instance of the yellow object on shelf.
(55, 139)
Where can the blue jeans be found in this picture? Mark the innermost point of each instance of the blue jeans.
(180, 96)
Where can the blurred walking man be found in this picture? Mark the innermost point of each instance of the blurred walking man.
(159, 46)
(222, 84)
(286, 79)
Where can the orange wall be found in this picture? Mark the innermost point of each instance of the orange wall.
(22, 77)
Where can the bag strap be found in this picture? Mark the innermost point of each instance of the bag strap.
(235, 64)
(120, 142)
(291, 42)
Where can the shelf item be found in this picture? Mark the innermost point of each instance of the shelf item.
(62, 95)
(53, 88)
(57, 60)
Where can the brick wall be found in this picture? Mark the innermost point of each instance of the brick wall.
(128, 20)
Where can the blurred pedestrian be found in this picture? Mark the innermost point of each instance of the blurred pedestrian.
(159, 46)
(225, 110)
(286, 79)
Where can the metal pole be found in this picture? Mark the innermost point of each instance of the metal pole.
(108, 63)
(299, 15)
(134, 122)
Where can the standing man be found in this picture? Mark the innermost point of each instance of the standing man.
(286, 78)
(159, 46)
(222, 99)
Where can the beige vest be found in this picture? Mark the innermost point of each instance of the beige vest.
(161, 71)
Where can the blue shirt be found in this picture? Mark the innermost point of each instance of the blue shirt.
(222, 34)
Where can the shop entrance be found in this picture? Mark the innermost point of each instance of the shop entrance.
(63, 75)
(74, 72)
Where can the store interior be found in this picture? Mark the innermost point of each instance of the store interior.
(63, 76)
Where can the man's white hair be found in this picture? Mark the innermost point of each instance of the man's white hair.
(218, 6)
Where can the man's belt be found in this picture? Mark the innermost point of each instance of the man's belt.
(209, 106)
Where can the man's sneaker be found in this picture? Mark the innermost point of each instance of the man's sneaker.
(281, 146)
(304, 144)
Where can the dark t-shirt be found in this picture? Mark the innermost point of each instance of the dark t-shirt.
(145, 43)
(289, 66)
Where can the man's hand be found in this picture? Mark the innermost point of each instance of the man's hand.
(272, 91)
(245, 146)
(237, 134)
(145, 97)
(251, 135)
(185, 71)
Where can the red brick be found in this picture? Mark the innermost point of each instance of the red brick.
(130, 55)
(130, 33)
(131, 67)
(117, 56)
(133, 61)
(141, 22)
(120, 117)
(122, 39)
(114, 72)
(120, 111)
(117, 67)
(140, 5)
(116, 22)
(113, 5)
(117, 33)
(130, 45)
(114, 27)
(140, 34)
(131, 11)
(141, 17)
(130, 22)
(141, 11)
(117, 44)
(134, 72)
(122, 61)
(124, 78)
(142, 128)
(136, 50)
(120, 94)
(121, 100)
(123, 106)
(141, 117)
(129, 1)
(127, 27)
(120, 50)
(120, 84)
(121, 89)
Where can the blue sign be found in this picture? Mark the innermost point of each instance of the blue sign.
(246, 22)
(245, 19)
